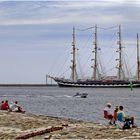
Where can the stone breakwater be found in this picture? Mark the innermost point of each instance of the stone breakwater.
(28, 126)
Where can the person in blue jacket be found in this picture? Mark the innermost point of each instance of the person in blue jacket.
(121, 116)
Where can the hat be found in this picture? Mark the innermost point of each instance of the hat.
(109, 104)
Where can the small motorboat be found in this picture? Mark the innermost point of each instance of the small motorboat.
(82, 95)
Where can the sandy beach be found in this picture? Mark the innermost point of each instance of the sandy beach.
(17, 126)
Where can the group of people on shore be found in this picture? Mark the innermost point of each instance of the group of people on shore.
(12, 107)
(118, 115)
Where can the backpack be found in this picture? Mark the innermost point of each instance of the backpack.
(127, 125)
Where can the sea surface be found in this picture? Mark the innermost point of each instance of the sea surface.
(59, 102)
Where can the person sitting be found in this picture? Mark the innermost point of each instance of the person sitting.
(115, 115)
(107, 113)
(14, 107)
(4, 105)
(121, 117)
(2, 102)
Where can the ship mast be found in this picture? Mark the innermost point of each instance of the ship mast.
(120, 55)
(73, 67)
(138, 61)
(95, 55)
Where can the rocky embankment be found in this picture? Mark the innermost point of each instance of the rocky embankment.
(28, 126)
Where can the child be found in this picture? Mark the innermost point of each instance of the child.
(115, 115)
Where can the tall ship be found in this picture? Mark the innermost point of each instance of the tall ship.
(97, 80)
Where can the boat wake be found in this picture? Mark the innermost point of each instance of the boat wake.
(65, 96)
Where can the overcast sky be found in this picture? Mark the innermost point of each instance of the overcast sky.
(35, 37)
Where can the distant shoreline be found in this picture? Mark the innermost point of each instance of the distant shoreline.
(28, 85)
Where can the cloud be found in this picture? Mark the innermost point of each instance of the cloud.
(47, 10)
(30, 28)
(65, 12)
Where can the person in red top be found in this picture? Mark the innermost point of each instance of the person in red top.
(2, 102)
(115, 115)
(5, 105)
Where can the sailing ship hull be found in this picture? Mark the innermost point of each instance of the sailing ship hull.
(98, 84)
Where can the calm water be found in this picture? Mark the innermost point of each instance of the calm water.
(55, 101)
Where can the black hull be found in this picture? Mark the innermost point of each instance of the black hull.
(98, 84)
